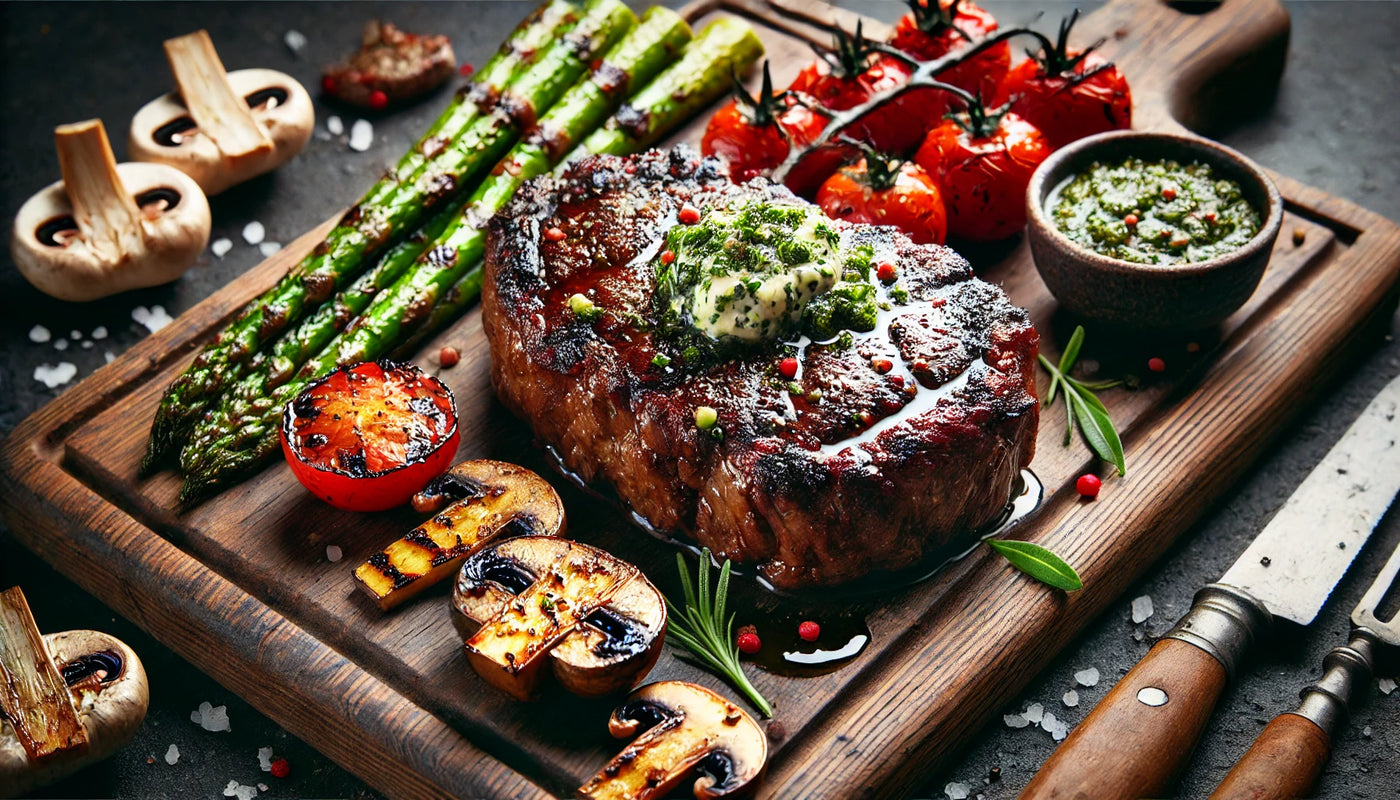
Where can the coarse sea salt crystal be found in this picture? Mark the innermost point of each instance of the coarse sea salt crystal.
(109, 356)
(1015, 720)
(221, 246)
(210, 717)
(333, 553)
(254, 232)
(956, 791)
(238, 790)
(172, 755)
(86, 343)
(265, 758)
(1142, 609)
(1071, 698)
(361, 135)
(268, 248)
(1034, 713)
(294, 40)
(1057, 728)
(334, 125)
(1386, 685)
(153, 318)
(52, 375)
(1087, 677)
(39, 334)
(75, 335)
(60, 344)
(100, 332)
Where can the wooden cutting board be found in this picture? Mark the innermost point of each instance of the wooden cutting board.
(241, 586)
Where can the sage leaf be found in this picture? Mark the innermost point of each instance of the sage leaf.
(1039, 563)
(1071, 353)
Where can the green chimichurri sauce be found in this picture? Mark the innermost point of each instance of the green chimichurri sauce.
(1157, 212)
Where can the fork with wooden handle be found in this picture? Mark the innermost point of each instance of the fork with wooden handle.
(1291, 751)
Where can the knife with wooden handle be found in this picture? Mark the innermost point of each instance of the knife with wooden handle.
(1135, 741)
(1289, 754)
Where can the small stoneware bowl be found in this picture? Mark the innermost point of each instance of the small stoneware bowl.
(1149, 297)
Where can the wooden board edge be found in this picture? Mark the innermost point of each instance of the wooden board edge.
(110, 555)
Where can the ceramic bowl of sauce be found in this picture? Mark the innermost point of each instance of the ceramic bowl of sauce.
(1151, 232)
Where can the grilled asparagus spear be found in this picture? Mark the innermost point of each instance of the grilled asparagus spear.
(448, 277)
(535, 58)
(632, 62)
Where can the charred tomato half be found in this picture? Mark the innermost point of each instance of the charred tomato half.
(366, 437)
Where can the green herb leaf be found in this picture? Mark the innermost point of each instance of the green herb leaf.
(1039, 563)
(1071, 353)
(701, 627)
(1096, 426)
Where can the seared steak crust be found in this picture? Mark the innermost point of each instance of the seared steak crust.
(856, 472)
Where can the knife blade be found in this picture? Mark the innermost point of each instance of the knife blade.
(1289, 754)
(1139, 735)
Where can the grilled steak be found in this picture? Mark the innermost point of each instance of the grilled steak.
(885, 446)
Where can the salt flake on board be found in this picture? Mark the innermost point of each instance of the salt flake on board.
(39, 334)
(172, 755)
(334, 125)
(266, 249)
(1034, 713)
(210, 717)
(221, 246)
(956, 791)
(1386, 685)
(238, 790)
(1015, 720)
(265, 759)
(60, 344)
(153, 318)
(1087, 677)
(1071, 698)
(100, 332)
(294, 40)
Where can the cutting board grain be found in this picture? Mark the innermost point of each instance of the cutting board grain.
(241, 587)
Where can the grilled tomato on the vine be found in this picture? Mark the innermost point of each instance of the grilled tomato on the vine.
(754, 135)
(935, 28)
(1068, 94)
(366, 437)
(983, 160)
(879, 191)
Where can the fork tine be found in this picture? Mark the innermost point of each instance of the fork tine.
(1365, 614)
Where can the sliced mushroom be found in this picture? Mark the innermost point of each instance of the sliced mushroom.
(104, 685)
(221, 128)
(493, 500)
(685, 729)
(594, 618)
(106, 228)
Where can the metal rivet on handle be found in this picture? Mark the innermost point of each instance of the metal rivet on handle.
(1152, 696)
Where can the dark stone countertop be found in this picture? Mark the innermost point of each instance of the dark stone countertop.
(1333, 126)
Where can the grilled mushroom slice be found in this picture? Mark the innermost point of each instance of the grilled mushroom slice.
(522, 603)
(493, 500)
(106, 228)
(221, 128)
(103, 684)
(685, 729)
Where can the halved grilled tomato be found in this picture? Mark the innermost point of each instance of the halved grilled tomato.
(366, 437)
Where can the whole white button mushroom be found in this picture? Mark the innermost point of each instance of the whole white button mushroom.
(221, 128)
(106, 228)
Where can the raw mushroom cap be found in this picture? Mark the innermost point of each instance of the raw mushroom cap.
(170, 239)
(110, 712)
(288, 123)
(684, 728)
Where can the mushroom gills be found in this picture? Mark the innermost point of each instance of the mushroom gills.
(106, 228)
(685, 730)
(493, 501)
(104, 683)
(597, 618)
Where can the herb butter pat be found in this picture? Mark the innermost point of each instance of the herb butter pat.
(747, 274)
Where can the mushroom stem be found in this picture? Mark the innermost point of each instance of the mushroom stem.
(105, 212)
(219, 112)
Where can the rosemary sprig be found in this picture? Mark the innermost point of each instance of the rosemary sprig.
(1082, 408)
(700, 626)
